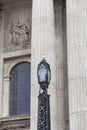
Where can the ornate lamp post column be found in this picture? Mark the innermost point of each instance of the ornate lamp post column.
(44, 77)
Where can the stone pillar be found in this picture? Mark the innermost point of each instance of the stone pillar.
(77, 63)
(61, 59)
(43, 40)
(6, 96)
(2, 26)
(1, 84)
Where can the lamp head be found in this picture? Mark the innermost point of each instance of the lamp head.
(44, 74)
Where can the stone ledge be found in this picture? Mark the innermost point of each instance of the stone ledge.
(13, 54)
(16, 122)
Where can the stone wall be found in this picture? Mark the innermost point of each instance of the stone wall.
(17, 27)
(15, 44)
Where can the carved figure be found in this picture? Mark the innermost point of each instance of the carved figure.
(25, 33)
(14, 30)
(20, 33)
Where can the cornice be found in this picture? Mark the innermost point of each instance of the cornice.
(15, 122)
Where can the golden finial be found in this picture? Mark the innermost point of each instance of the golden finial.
(43, 55)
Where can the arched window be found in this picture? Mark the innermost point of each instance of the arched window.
(20, 89)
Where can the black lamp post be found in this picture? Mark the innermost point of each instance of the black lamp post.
(44, 77)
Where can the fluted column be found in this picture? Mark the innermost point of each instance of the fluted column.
(77, 63)
(61, 64)
(43, 40)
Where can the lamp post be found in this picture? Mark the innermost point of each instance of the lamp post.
(44, 77)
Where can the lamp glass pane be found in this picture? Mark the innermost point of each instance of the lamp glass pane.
(49, 76)
(42, 74)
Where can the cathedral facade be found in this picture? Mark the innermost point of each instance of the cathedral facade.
(30, 29)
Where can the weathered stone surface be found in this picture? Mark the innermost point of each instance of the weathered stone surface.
(77, 63)
(11, 11)
(12, 123)
(17, 27)
(61, 61)
(43, 41)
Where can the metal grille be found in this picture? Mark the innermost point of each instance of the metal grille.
(20, 89)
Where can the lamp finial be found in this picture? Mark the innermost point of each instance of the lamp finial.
(43, 55)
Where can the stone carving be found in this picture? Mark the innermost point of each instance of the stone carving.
(20, 35)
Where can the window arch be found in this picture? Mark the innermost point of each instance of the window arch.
(20, 89)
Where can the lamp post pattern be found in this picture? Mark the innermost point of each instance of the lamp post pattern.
(43, 98)
(43, 112)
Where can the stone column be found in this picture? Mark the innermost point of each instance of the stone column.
(61, 52)
(1, 84)
(6, 96)
(77, 63)
(43, 40)
(2, 26)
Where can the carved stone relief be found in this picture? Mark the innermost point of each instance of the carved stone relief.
(20, 34)
(17, 28)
